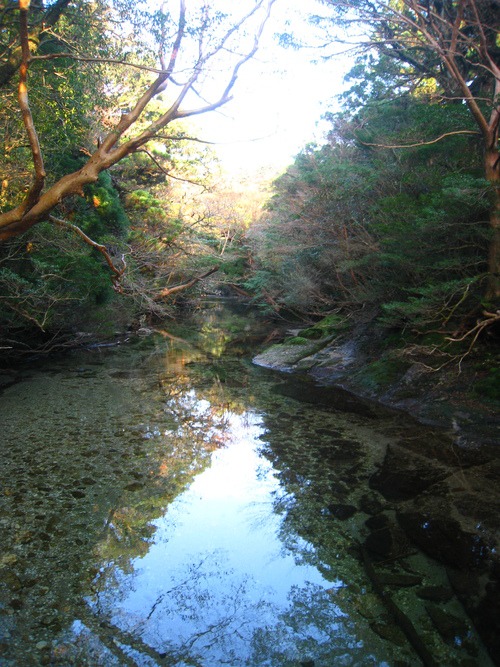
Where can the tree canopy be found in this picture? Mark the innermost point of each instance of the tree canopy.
(448, 51)
(396, 214)
(198, 57)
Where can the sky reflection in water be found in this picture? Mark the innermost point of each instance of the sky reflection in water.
(216, 571)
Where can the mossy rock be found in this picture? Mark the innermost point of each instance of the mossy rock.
(331, 324)
(288, 354)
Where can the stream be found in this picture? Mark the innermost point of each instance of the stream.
(167, 502)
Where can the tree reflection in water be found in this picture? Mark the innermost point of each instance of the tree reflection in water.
(217, 584)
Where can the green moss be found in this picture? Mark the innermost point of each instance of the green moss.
(297, 340)
(328, 326)
(489, 386)
(311, 333)
(382, 373)
(332, 322)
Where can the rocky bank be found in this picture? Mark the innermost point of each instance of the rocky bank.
(444, 497)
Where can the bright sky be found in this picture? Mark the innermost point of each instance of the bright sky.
(278, 100)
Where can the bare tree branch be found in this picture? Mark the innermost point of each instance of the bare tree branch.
(89, 59)
(168, 173)
(421, 143)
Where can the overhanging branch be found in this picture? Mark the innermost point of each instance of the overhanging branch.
(117, 273)
(91, 59)
(167, 173)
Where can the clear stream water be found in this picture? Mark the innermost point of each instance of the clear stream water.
(165, 502)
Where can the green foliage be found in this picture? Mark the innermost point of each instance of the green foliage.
(141, 200)
(107, 217)
(234, 267)
(427, 304)
(259, 280)
(400, 233)
(51, 282)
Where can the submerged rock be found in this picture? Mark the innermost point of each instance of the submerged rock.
(404, 476)
(134, 486)
(451, 628)
(401, 580)
(10, 579)
(370, 504)
(443, 538)
(387, 541)
(435, 593)
(342, 512)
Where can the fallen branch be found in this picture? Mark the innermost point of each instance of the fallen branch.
(239, 290)
(56, 343)
(167, 291)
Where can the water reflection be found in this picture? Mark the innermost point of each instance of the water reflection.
(216, 577)
(168, 504)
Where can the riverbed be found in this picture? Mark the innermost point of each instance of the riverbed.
(164, 501)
